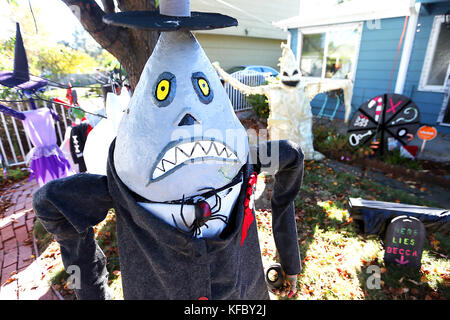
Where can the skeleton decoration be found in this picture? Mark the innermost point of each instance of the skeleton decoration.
(180, 175)
(289, 101)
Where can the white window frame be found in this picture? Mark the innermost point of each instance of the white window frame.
(326, 29)
(429, 55)
(445, 102)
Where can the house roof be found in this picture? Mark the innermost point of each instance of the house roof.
(326, 12)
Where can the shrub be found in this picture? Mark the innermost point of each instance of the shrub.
(394, 158)
(260, 104)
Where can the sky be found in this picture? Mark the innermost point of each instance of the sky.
(54, 15)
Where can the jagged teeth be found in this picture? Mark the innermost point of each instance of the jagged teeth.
(190, 151)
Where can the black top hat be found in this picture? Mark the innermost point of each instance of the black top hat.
(20, 77)
(173, 15)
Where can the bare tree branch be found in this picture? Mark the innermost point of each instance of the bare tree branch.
(131, 47)
(90, 16)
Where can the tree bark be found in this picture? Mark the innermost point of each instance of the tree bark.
(131, 47)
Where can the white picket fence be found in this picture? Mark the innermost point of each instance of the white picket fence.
(237, 98)
(14, 143)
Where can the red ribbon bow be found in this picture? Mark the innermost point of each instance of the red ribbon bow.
(248, 211)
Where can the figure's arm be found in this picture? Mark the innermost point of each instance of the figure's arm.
(68, 208)
(11, 112)
(284, 159)
(239, 85)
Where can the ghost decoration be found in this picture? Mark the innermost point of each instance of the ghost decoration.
(180, 175)
(99, 139)
(289, 102)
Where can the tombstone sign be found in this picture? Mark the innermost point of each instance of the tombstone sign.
(404, 242)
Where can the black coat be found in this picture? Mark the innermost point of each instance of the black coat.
(157, 261)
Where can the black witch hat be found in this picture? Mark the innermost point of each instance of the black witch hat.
(20, 77)
(172, 15)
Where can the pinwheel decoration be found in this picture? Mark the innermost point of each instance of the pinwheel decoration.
(386, 115)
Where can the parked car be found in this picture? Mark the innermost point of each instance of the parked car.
(263, 69)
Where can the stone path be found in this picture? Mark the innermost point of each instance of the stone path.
(21, 276)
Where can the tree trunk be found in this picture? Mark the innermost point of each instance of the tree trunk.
(131, 47)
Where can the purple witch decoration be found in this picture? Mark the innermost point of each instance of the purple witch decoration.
(47, 161)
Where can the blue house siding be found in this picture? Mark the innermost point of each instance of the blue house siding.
(294, 40)
(377, 54)
(429, 103)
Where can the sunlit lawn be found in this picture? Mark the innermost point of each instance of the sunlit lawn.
(339, 261)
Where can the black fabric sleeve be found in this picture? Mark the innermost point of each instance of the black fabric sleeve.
(68, 208)
(284, 160)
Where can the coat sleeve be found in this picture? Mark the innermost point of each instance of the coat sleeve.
(283, 159)
(68, 208)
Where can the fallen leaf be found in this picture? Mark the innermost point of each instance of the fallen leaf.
(9, 280)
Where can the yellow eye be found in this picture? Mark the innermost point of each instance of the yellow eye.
(162, 90)
(204, 87)
(201, 87)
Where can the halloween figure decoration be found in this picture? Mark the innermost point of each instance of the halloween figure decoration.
(289, 101)
(180, 176)
(99, 139)
(20, 77)
(46, 160)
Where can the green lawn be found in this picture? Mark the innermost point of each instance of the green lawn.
(339, 261)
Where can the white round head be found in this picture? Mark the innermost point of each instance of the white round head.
(180, 135)
(289, 71)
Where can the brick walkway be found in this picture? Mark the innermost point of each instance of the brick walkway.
(20, 274)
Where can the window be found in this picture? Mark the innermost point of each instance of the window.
(330, 52)
(437, 58)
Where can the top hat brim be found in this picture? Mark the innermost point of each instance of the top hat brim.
(10, 80)
(153, 20)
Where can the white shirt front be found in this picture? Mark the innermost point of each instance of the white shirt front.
(212, 228)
